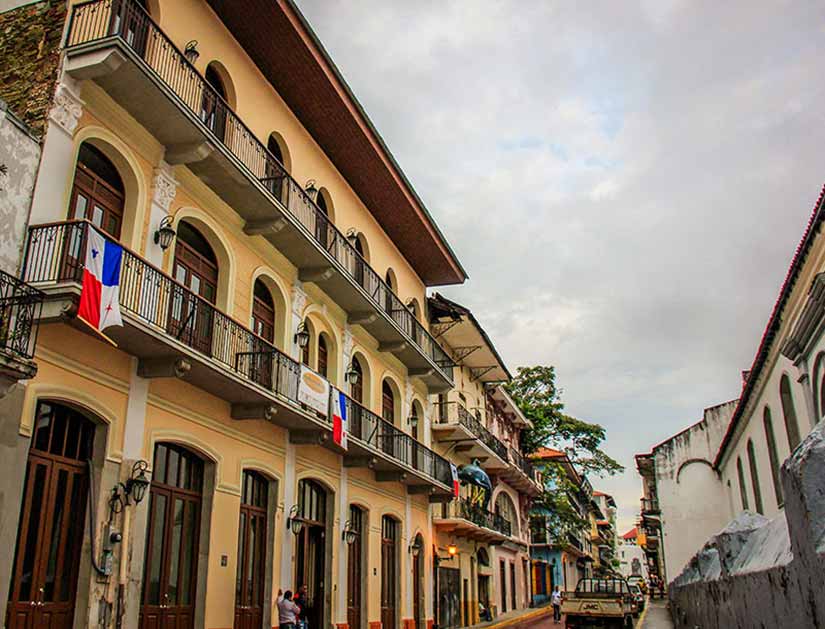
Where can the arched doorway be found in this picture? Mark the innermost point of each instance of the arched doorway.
(98, 192)
(361, 259)
(356, 579)
(322, 219)
(388, 414)
(263, 324)
(483, 563)
(418, 581)
(311, 550)
(52, 520)
(196, 268)
(213, 102)
(389, 572)
(389, 278)
(275, 173)
(252, 536)
(323, 355)
(172, 539)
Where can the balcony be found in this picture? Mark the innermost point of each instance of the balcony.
(465, 519)
(119, 47)
(20, 307)
(521, 474)
(650, 507)
(455, 424)
(175, 333)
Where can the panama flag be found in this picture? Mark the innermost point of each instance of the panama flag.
(100, 293)
(454, 472)
(339, 419)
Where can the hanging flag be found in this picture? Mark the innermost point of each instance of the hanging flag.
(339, 419)
(100, 291)
(454, 472)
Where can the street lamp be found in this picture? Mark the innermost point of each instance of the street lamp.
(349, 534)
(134, 487)
(165, 233)
(311, 190)
(295, 525)
(352, 374)
(302, 336)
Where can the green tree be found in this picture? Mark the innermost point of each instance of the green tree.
(535, 391)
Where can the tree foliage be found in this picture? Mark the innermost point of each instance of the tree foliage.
(535, 391)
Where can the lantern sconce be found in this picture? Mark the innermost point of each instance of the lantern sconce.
(165, 233)
(352, 374)
(452, 550)
(190, 51)
(302, 335)
(311, 190)
(413, 421)
(415, 545)
(134, 487)
(349, 534)
(295, 525)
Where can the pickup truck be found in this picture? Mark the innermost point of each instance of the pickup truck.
(598, 602)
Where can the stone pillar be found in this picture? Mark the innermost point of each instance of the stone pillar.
(164, 188)
(299, 301)
(406, 565)
(340, 617)
(58, 156)
(14, 450)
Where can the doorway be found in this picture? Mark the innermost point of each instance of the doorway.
(355, 576)
(418, 584)
(389, 572)
(52, 521)
(310, 555)
(449, 605)
(173, 535)
(249, 581)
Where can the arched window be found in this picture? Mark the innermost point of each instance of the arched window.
(389, 278)
(322, 355)
(770, 440)
(414, 420)
(757, 490)
(387, 402)
(98, 192)
(213, 108)
(275, 173)
(789, 412)
(356, 390)
(196, 267)
(323, 230)
(361, 260)
(743, 491)
(263, 312)
(505, 508)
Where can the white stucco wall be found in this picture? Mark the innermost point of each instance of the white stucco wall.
(692, 499)
(626, 554)
(20, 153)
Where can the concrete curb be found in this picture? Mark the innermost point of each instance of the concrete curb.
(537, 613)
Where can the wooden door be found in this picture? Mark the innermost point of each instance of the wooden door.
(50, 534)
(502, 573)
(449, 603)
(249, 582)
(418, 593)
(191, 317)
(354, 569)
(171, 560)
(388, 413)
(513, 603)
(261, 365)
(310, 564)
(389, 572)
(213, 103)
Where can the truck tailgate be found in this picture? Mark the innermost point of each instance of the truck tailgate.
(592, 607)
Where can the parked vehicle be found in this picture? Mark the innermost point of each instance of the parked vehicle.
(605, 602)
(638, 598)
(638, 580)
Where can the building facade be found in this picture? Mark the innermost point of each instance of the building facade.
(183, 467)
(632, 560)
(730, 461)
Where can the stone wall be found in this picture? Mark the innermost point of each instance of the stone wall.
(760, 572)
(19, 157)
(30, 37)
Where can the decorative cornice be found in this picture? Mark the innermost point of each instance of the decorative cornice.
(66, 108)
(164, 186)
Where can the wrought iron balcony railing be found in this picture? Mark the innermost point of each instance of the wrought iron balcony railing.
(20, 307)
(650, 506)
(466, 510)
(377, 432)
(127, 22)
(518, 459)
(455, 412)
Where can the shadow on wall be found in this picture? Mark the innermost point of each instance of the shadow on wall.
(759, 572)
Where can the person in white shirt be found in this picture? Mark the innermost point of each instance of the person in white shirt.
(555, 600)
(287, 610)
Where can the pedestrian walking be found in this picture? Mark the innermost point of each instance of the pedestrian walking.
(287, 610)
(303, 603)
(555, 600)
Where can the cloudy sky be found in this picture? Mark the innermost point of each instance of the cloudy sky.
(624, 182)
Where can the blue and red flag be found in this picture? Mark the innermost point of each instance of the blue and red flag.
(454, 472)
(339, 419)
(100, 291)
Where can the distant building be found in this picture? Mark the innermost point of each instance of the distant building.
(631, 557)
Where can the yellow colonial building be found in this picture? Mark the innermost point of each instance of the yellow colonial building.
(181, 469)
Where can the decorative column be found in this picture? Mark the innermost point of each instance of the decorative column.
(299, 301)
(164, 188)
(343, 551)
(58, 157)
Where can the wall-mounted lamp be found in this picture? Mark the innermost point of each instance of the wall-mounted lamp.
(134, 487)
(452, 550)
(415, 545)
(302, 336)
(413, 421)
(352, 234)
(190, 51)
(352, 374)
(295, 525)
(349, 534)
(165, 233)
(311, 190)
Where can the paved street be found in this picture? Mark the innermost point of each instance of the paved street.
(657, 616)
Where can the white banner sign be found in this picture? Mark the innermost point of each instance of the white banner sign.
(313, 390)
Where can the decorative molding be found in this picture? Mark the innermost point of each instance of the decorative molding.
(299, 299)
(164, 186)
(66, 108)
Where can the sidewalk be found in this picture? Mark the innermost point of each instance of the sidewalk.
(655, 616)
(517, 619)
